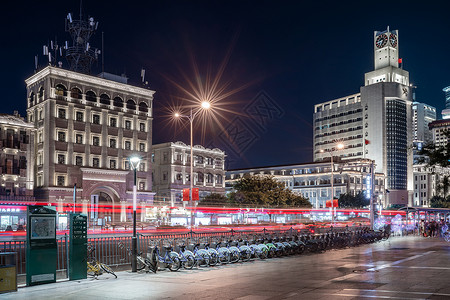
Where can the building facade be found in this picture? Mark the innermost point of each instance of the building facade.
(423, 114)
(87, 127)
(446, 111)
(16, 159)
(313, 180)
(171, 171)
(375, 123)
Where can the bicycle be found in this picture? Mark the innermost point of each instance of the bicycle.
(141, 262)
(96, 268)
(170, 259)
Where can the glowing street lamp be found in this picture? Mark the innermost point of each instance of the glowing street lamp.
(331, 152)
(204, 106)
(134, 162)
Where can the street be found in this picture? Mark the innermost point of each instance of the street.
(401, 268)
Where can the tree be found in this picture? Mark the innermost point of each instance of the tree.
(437, 155)
(350, 201)
(260, 190)
(214, 199)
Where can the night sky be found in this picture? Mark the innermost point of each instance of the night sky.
(279, 57)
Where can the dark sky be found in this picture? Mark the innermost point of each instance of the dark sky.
(283, 57)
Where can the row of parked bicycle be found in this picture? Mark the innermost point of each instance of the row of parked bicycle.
(226, 250)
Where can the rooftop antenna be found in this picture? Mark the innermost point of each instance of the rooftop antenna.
(143, 75)
(52, 50)
(81, 54)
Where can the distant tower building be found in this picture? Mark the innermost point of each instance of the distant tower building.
(375, 123)
(87, 128)
(423, 114)
(446, 111)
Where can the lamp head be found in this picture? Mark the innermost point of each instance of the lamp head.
(340, 146)
(135, 160)
(206, 104)
(177, 115)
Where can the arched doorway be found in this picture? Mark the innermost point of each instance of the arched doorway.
(103, 200)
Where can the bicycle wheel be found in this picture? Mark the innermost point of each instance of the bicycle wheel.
(175, 263)
(235, 256)
(140, 263)
(91, 270)
(107, 269)
(189, 263)
(214, 258)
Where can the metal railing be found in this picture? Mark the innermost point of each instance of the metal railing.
(113, 250)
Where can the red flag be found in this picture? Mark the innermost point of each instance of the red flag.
(399, 60)
(328, 203)
(367, 142)
(185, 194)
(195, 196)
(335, 203)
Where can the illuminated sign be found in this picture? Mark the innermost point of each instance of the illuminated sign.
(368, 191)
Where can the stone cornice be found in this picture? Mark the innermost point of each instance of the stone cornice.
(104, 175)
(88, 79)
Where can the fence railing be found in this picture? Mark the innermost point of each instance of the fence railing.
(113, 250)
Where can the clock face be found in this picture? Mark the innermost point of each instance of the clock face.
(393, 40)
(381, 40)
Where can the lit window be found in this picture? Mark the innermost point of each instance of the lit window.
(142, 127)
(113, 122)
(95, 141)
(142, 186)
(127, 145)
(141, 147)
(142, 167)
(127, 124)
(79, 139)
(112, 164)
(112, 143)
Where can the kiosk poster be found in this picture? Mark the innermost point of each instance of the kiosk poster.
(43, 227)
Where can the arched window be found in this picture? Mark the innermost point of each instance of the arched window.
(91, 96)
(200, 177)
(143, 107)
(31, 99)
(131, 104)
(219, 179)
(60, 90)
(209, 178)
(118, 102)
(41, 93)
(75, 93)
(104, 99)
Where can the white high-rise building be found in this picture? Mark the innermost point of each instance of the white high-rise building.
(423, 114)
(375, 123)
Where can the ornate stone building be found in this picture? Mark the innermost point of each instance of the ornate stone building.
(87, 127)
(16, 159)
(171, 171)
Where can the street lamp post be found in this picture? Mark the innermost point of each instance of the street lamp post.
(134, 161)
(331, 152)
(191, 117)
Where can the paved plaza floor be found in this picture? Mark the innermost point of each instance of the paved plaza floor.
(401, 268)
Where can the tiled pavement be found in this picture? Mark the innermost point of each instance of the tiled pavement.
(401, 268)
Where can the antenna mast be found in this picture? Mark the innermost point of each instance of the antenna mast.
(81, 55)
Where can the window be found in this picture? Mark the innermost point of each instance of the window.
(199, 159)
(112, 164)
(142, 167)
(96, 162)
(78, 160)
(61, 136)
(78, 138)
(61, 159)
(79, 116)
(179, 176)
(95, 141)
(142, 127)
(96, 119)
(219, 179)
(165, 157)
(61, 113)
(127, 124)
(113, 122)
(209, 161)
(209, 178)
(200, 178)
(164, 176)
(126, 165)
(60, 180)
(127, 145)
(142, 147)
(142, 186)
(112, 143)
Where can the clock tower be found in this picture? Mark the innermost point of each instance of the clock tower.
(385, 48)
